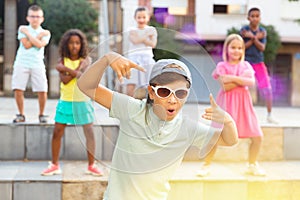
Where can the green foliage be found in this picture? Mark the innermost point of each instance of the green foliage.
(61, 15)
(233, 30)
(166, 47)
(273, 42)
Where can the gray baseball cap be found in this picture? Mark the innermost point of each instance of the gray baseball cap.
(161, 66)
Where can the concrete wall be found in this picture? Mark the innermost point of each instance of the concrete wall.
(294, 50)
(280, 143)
(33, 142)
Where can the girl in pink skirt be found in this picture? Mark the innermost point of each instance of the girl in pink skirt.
(235, 76)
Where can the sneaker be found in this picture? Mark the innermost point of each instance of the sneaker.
(94, 170)
(19, 118)
(255, 170)
(43, 118)
(51, 170)
(271, 120)
(204, 171)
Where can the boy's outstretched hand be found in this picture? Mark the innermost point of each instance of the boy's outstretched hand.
(215, 113)
(122, 66)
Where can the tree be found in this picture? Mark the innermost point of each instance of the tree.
(166, 46)
(273, 42)
(61, 15)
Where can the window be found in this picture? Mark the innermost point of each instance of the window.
(177, 10)
(229, 9)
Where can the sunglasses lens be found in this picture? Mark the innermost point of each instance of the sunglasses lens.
(163, 92)
(181, 94)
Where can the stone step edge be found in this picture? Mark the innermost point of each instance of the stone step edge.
(220, 171)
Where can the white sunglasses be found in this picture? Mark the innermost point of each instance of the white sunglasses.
(165, 92)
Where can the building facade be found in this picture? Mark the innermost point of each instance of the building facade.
(203, 22)
(207, 22)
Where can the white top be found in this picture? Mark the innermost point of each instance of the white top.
(141, 48)
(149, 150)
(32, 57)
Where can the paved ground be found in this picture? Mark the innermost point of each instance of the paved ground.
(75, 171)
(286, 116)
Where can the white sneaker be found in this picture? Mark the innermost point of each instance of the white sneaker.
(51, 170)
(271, 120)
(94, 170)
(204, 171)
(255, 170)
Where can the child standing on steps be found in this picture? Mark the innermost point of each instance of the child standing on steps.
(142, 39)
(254, 36)
(29, 63)
(153, 133)
(73, 107)
(235, 75)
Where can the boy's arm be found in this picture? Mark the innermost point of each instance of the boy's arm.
(35, 41)
(89, 81)
(247, 34)
(254, 39)
(248, 44)
(229, 135)
(261, 35)
(42, 34)
(260, 45)
(23, 39)
(26, 43)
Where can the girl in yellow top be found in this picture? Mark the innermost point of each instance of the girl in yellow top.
(73, 107)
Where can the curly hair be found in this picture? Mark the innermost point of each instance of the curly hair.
(63, 44)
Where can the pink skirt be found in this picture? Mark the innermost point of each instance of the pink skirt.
(238, 103)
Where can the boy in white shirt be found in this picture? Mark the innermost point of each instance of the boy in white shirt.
(154, 135)
(29, 62)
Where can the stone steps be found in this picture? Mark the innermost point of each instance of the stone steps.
(20, 180)
(280, 143)
(33, 142)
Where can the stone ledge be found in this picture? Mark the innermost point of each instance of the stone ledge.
(33, 142)
(279, 143)
(227, 178)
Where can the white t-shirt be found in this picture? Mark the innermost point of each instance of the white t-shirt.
(32, 57)
(149, 150)
(141, 48)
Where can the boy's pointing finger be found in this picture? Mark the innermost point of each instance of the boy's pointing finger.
(136, 66)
